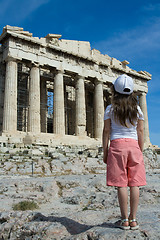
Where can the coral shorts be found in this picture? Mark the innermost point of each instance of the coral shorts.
(125, 164)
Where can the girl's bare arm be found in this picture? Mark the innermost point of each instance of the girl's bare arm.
(140, 133)
(105, 138)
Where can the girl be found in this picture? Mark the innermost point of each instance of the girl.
(123, 126)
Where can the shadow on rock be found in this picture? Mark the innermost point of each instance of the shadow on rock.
(72, 226)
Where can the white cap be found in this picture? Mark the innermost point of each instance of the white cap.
(124, 84)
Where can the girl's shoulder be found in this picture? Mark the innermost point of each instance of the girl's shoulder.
(107, 112)
(109, 106)
(140, 113)
(138, 107)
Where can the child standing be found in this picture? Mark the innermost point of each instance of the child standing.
(123, 126)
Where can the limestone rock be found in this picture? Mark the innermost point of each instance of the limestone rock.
(74, 202)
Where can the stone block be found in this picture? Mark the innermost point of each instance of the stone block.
(37, 152)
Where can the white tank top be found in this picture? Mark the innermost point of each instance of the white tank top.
(119, 131)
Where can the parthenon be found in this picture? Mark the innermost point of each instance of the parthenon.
(52, 89)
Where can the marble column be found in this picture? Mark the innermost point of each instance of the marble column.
(10, 97)
(2, 82)
(143, 105)
(58, 104)
(34, 100)
(43, 94)
(98, 110)
(80, 123)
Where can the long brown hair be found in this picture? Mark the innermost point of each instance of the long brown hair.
(124, 107)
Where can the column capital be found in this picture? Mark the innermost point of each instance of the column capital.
(98, 81)
(60, 70)
(33, 64)
(143, 94)
(10, 58)
(78, 76)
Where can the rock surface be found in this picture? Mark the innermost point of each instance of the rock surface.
(76, 205)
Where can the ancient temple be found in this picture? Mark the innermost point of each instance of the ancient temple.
(52, 89)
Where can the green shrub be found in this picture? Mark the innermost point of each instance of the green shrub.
(25, 205)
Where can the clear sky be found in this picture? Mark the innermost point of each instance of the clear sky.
(126, 30)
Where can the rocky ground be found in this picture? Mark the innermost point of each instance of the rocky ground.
(76, 205)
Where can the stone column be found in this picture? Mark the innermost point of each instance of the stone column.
(58, 105)
(10, 97)
(34, 100)
(80, 123)
(2, 82)
(98, 109)
(43, 94)
(143, 105)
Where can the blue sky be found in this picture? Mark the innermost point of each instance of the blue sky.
(126, 30)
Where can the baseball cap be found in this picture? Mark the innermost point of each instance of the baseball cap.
(124, 84)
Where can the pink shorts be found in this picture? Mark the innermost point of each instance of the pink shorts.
(125, 164)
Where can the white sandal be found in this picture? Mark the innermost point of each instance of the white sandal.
(136, 227)
(120, 222)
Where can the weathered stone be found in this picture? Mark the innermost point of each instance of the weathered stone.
(74, 207)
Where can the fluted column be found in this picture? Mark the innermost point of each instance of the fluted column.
(98, 109)
(58, 105)
(34, 100)
(80, 126)
(143, 105)
(2, 82)
(43, 94)
(10, 97)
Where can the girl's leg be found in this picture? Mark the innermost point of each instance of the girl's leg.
(123, 202)
(134, 200)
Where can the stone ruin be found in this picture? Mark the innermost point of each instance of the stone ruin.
(55, 91)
